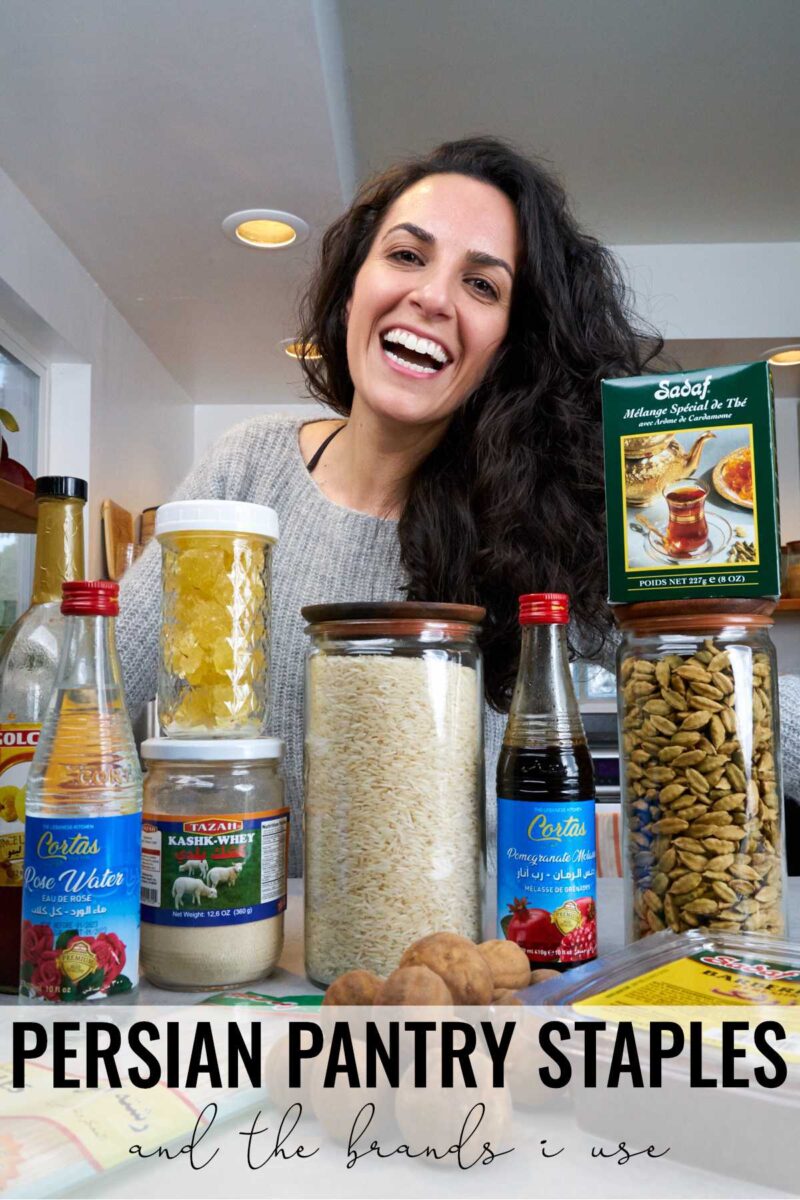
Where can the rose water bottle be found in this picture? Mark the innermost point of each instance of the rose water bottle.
(81, 878)
(546, 865)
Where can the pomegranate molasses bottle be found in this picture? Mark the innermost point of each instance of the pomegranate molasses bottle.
(546, 867)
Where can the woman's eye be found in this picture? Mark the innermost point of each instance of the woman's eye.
(485, 288)
(405, 256)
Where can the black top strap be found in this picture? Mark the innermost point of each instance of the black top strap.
(317, 455)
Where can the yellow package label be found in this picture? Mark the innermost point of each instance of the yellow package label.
(17, 748)
(711, 978)
(101, 1122)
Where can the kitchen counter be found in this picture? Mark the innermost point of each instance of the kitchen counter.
(289, 977)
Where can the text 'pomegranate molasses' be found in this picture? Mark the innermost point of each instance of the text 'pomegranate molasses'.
(546, 863)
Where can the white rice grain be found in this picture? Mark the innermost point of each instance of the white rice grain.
(394, 830)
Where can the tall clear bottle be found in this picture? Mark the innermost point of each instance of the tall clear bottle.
(80, 896)
(546, 862)
(29, 657)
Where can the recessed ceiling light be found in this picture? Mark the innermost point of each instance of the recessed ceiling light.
(265, 228)
(783, 356)
(296, 349)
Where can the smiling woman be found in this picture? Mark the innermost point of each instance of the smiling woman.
(436, 284)
(462, 323)
(486, 450)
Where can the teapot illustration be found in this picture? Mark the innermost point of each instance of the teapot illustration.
(653, 460)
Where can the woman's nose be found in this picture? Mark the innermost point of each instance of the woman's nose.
(434, 295)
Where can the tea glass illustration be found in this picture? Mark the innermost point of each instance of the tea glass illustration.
(687, 530)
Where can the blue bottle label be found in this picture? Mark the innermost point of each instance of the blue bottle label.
(546, 878)
(80, 906)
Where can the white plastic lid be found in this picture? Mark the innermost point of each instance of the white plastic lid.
(211, 750)
(221, 516)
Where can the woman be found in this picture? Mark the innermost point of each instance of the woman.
(464, 323)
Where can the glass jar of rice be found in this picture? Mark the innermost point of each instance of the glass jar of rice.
(394, 781)
(214, 848)
(214, 650)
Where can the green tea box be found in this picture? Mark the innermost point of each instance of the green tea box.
(691, 485)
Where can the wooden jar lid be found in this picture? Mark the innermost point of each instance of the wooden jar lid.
(393, 618)
(696, 615)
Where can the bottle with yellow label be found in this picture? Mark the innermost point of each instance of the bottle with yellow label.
(28, 661)
(83, 822)
(546, 869)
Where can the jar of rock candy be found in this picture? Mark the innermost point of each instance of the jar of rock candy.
(701, 785)
(215, 617)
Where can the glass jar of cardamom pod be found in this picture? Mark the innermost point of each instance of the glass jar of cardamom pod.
(700, 768)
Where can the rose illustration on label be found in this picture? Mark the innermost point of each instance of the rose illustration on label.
(76, 967)
(36, 939)
(46, 977)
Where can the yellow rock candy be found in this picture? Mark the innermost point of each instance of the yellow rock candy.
(214, 632)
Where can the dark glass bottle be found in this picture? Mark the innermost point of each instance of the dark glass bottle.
(546, 863)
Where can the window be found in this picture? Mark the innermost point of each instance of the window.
(592, 682)
(19, 395)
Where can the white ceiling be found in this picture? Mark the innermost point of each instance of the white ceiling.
(135, 126)
(668, 120)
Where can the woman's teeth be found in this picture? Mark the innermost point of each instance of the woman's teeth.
(414, 366)
(419, 354)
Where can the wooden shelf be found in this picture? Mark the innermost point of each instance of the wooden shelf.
(17, 509)
(787, 606)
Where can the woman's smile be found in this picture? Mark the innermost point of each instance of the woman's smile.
(430, 306)
(414, 354)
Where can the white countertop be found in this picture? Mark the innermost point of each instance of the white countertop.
(289, 977)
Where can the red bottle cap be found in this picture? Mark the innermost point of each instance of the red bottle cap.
(544, 608)
(90, 598)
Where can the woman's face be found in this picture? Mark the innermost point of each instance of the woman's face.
(431, 304)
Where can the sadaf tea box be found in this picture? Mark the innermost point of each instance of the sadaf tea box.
(691, 485)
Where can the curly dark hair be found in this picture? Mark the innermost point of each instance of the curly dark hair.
(511, 500)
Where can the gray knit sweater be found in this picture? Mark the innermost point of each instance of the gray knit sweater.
(326, 553)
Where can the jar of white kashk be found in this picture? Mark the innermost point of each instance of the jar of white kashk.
(214, 850)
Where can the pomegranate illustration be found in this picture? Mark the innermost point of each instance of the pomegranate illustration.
(531, 928)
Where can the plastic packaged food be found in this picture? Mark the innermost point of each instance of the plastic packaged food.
(394, 796)
(698, 982)
(701, 780)
(697, 968)
(214, 655)
(214, 845)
